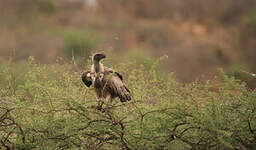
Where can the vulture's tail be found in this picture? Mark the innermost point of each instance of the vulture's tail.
(124, 94)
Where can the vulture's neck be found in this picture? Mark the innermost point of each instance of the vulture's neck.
(98, 67)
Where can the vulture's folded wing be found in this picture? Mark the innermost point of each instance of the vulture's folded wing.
(86, 78)
(109, 70)
(114, 84)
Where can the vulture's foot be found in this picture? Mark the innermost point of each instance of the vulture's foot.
(99, 107)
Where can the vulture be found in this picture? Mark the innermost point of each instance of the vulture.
(106, 82)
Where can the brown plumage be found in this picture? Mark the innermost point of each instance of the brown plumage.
(106, 82)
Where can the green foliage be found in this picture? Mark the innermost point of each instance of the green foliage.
(251, 18)
(46, 6)
(238, 72)
(136, 59)
(35, 6)
(52, 109)
(250, 21)
(142, 58)
(80, 43)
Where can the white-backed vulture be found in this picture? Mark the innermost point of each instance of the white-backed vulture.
(106, 82)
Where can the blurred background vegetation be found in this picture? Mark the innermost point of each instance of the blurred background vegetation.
(198, 36)
(45, 45)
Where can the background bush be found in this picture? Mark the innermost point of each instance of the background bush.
(52, 109)
(80, 43)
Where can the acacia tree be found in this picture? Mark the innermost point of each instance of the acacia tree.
(51, 109)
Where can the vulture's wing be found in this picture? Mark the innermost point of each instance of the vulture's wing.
(109, 70)
(86, 78)
(114, 84)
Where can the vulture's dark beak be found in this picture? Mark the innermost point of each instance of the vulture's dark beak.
(103, 56)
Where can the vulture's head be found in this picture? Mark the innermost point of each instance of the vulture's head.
(98, 56)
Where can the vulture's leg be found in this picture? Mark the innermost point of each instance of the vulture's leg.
(100, 103)
(109, 98)
(109, 101)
